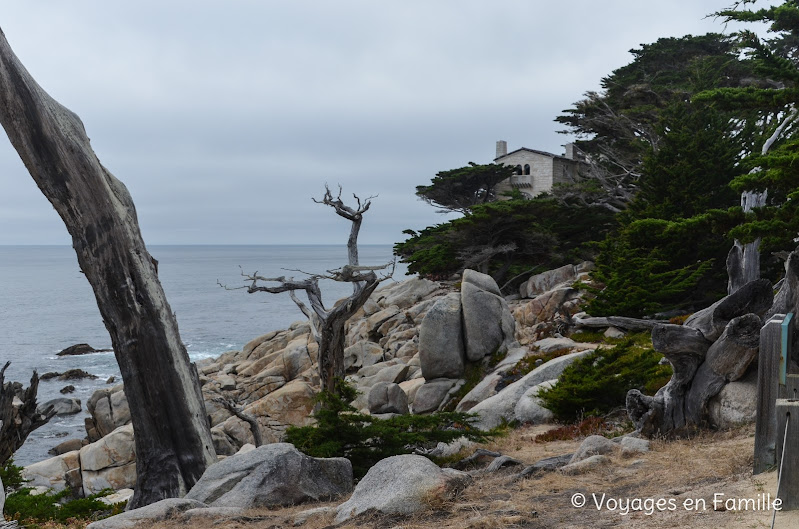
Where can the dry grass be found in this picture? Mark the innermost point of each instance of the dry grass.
(674, 470)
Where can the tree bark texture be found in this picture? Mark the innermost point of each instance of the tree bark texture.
(173, 441)
(17, 422)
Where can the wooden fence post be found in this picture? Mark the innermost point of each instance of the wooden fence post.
(768, 367)
(788, 412)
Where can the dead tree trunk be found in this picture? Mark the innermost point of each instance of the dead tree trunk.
(328, 325)
(173, 441)
(743, 260)
(18, 420)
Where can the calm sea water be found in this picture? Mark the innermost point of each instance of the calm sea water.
(46, 304)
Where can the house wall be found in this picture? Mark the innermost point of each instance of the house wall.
(538, 181)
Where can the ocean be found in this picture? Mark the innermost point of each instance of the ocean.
(46, 305)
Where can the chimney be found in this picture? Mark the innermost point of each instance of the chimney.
(572, 152)
(502, 148)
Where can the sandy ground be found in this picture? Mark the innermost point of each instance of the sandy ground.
(685, 475)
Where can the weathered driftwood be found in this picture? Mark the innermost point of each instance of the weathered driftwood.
(787, 298)
(701, 369)
(685, 350)
(328, 325)
(731, 355)
(621, 322)
(678, 340)
(755, 297)
(17, 421)
(173, 441)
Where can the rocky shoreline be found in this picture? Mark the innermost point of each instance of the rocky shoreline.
(408, 351)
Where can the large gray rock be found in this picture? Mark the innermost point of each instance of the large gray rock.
(431, 394)
(407, 293)
(481, 281)
(386, 397)
(488, 325)
(530, 409)
(593, 445)
(401, 485)
(488, 386)
(271, 475)
(155, 512)
(114, 450)
(109, 410)
(735, 404)
(441, 348)
(494, 409)
(61, 406)
(540, 283)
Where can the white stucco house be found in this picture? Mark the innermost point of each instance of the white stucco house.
(538, 171)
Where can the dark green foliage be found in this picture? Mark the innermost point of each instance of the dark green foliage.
(11, 475)
(599, 382)
(21, 505)
(652, 265)
(506, 238)
(340, 431)
(461, 189)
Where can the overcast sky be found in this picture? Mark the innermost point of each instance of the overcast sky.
(224, 118)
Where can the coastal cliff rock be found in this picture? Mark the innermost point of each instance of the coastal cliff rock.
(407, 351)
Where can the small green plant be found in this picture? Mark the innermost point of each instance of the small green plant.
(340, 431)
(31, 510)
(11, 475)
(599, 382)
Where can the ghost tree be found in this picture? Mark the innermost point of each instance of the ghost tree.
(173, 440)
(328, 325)
(19, 415)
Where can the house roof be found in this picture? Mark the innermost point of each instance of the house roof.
(542, 153)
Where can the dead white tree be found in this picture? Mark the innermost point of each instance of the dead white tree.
(173, 439)
(328, 325)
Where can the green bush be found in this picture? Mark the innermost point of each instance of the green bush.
(599, 382)
(41, 508)
(340, 431)
(11, 475)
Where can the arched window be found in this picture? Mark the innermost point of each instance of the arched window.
(527, 168)
(518, 169)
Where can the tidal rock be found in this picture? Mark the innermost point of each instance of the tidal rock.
(407, 293)
(441, 347)
(76, 374)
(62, 406)
(401, 484)
(272, 475)
(81, 349)
(67, 389)
(67, 446)
(386, 397)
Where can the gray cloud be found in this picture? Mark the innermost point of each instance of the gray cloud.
(224, 118)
